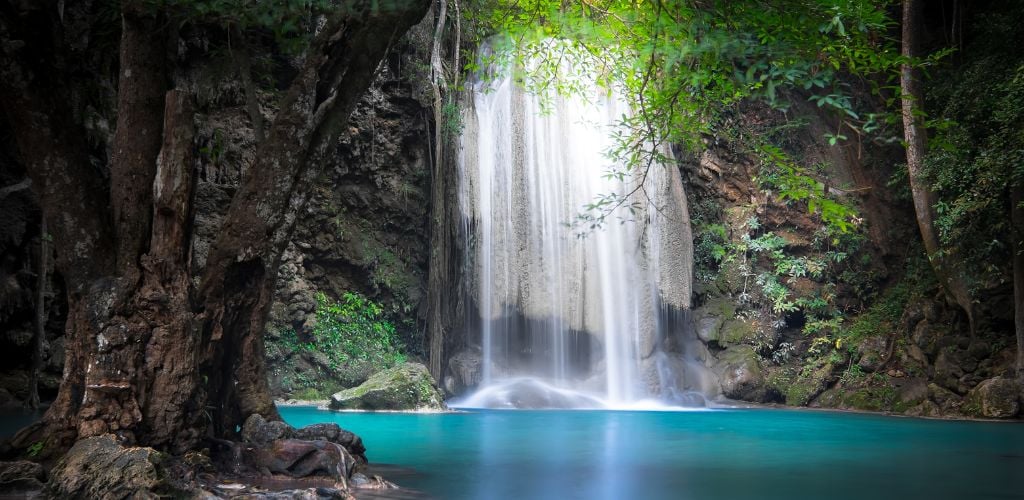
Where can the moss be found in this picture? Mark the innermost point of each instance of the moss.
(736, 331)
(404, 387)
(811, 381)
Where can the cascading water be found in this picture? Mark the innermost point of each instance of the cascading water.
(566, 320)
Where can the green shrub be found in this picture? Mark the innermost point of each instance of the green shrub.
(354, 333)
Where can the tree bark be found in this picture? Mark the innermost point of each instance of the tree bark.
(40, 337)
(944, 264)
(150, 356)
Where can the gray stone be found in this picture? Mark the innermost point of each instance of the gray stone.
(404, 387)
(995, 398)
(740, 374)
(261, 432)
(99, 467)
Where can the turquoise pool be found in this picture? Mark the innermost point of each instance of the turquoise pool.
(639, 455)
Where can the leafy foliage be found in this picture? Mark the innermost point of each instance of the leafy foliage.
(976, 155)
(684, 65)
(353, 332)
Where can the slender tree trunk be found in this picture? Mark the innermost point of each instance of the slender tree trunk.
(438, 240)
(1017, 218)
(944, 264)
(40, 337)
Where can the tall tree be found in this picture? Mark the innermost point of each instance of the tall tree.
(944, 264)
(152, 356)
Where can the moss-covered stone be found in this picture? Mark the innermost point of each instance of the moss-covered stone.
(404, 387)
(994, 398)
(740, 373)
(736, 331)
(811, 382)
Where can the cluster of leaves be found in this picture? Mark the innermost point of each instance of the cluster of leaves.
(682, 65)
(353, 337)
(976, 152)
(353, 332)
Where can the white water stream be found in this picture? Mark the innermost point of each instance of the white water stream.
(559, 313)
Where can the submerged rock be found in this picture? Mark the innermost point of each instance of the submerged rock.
(404, 387)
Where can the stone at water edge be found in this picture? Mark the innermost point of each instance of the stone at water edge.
(407, 386)
(994, 398)
(100, 467)
(740, 374)
(259, 431)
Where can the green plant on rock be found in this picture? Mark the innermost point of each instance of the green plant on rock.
(353, 332)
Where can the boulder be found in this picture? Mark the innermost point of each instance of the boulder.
(740, 374)
(994, 398)
(948, 401)
(260, 432)
(21, 477)
(404, 387)
(872, 352)
(100, 467)
(947, 370)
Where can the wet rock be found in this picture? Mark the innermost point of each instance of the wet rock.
(994, 398)
(740, 374)
(99, 467)
(465, 370)
(259, 431)
(404, 387)
(335, 434)
(21, 478)
(301, 458)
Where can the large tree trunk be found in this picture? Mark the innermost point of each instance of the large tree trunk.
(40, 320)
(150, 356)
(945, 266)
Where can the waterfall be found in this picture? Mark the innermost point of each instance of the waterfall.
(565, 317)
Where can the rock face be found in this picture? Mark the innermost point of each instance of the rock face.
(995, 398)
(99, 467)
(403, 387)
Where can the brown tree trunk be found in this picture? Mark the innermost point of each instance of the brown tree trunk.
(150, 357)
(945, 266)
(1017, 219)
(40, 337)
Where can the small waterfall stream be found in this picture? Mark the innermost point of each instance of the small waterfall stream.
(564, 318)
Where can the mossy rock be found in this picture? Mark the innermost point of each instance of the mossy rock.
(811, 382)
(994, 398)
(740, 374)
(736, 331)
(407, 386)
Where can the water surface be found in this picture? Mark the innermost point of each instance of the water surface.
(748, 453)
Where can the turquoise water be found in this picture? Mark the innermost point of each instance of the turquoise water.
(749, 453)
